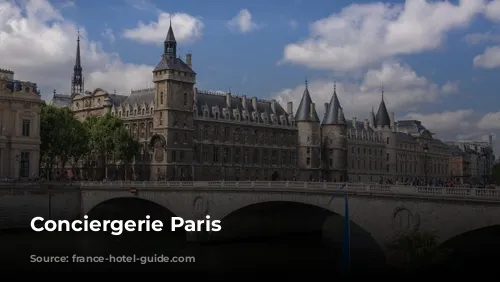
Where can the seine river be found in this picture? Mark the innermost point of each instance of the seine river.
(275, 255)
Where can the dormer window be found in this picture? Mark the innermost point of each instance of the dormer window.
(205, 113)
(143, 111)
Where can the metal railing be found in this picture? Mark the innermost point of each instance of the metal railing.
(302, 187)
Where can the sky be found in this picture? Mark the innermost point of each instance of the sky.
(436, 61)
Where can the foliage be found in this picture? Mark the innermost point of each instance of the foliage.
(65, 138)
(62, 136)
(416, 250)
(110, 139)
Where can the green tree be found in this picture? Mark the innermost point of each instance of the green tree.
(62, 138)
(109, 140)
(416, 250)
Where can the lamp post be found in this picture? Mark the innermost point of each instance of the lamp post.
(485, 156)
(224, 160)
(425, 148)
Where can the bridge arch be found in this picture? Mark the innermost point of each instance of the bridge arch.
(472, 249)
(129, 208)
(120, 198)
(287, 218)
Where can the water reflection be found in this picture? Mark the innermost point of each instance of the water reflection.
(276, 254)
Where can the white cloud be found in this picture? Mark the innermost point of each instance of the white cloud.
(478, 38)
(242, 22)
(462, 125)
(404, 90)
(363, 34)
(490, 121)
(187, 29)
(41, 45)
(450, 87)
(108, 34)
(492, 11)
(489, 59)
(446, 122)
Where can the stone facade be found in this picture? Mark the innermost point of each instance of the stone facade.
(188, 133)
(472, 162)
(382, 215)
(20, 104)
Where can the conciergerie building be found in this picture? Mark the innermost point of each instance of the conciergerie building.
(187, 133)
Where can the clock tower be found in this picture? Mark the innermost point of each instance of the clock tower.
(173, 120)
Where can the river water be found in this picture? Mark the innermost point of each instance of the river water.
(299, 253)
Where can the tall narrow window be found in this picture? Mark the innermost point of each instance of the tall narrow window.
(185, 99)
(161, 97)
(26, 127)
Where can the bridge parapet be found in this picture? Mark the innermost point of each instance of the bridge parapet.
(303, 187)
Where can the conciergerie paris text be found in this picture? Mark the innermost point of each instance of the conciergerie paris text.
(117, 227)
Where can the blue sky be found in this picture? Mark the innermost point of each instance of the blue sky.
(438, 61)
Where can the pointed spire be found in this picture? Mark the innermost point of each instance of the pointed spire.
(78, 64)
(382, 117)
(170, 44)
(303, 112)
(334, 114)
(170, 34)
(77, 79)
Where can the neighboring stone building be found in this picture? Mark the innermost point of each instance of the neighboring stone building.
(188, 133)
(20, 104)
(472, 161)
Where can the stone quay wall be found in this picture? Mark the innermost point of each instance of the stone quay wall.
(20, 203)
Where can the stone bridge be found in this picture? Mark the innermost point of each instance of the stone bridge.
(379, 211)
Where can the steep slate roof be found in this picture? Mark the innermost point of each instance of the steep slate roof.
(170, 34)
(304, 109)
(140, 96)
(382, 117)
(173, 64)
(61, 100)
(334, 114)
(205, 98)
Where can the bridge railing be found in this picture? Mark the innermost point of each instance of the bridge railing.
(302, 187)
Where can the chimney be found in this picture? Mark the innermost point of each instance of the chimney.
(289, 107)
(490, 140)
(393, 121)
(273, 106)
(326, 109)
(312, 109)
(228, 100)
(195, 90)
(372, 120)
(254, 103)
(365, 124)
(355, 122)
(244, 101)
(188, 60)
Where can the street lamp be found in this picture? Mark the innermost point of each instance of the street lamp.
(485, 156)
(224, 160)
(425, 148)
